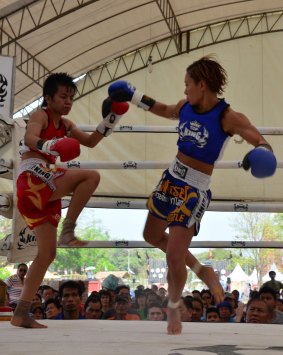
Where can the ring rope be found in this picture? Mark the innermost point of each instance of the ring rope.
(168, 129)
(135, 165)
(194, 244)
(214, 206)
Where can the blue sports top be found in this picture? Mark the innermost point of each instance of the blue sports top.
(200, 134)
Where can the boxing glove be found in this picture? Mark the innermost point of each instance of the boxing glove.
(261, 161)
(124, 91)
(112, 112)
(66, 148)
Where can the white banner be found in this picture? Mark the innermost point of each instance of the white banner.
(7, 84)
(23, 244)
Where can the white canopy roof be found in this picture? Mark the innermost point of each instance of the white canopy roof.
(109, 40)
(238, 274)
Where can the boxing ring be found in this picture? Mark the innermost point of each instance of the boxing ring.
(20, 245)
(106, 337)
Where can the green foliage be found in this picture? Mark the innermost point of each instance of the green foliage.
(4, 273)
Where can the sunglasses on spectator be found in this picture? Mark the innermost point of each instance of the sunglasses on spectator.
(23, 270)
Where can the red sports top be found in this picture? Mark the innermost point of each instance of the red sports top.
(50, 132)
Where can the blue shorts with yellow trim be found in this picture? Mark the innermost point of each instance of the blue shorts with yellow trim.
(178, 203)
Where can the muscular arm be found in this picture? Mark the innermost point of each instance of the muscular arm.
(36, 123)
(237, 123)
(86, 139)
(167, 111)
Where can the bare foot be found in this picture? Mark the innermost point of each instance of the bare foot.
(26, 322)
(174, 325)
(208, 275)
(73, 243)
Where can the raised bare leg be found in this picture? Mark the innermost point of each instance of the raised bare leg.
(82, 183)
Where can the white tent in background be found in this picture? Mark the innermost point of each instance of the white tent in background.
(238, 274)
(253, 279)
(239, 279)
(279, 276)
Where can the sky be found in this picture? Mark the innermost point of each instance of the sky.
(123, 224)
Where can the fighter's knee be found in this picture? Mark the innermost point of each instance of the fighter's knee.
(174, 261)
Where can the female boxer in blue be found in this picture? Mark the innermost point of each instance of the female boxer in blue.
(182, 195)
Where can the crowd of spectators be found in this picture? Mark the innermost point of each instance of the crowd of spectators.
(119, 302)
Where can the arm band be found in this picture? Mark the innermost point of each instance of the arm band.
(266, 146)
(40, 143)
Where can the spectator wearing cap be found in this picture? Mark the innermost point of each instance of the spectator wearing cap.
(274, 284)
(121, 310)
(268, 295)
(225, 312)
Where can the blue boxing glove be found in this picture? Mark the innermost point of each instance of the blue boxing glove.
(124, 91)
(261, 161)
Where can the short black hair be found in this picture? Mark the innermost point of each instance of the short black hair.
(70, 284)
(50, 86)
(266, 289)
(211, 310)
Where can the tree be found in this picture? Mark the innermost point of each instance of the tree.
(258, 227)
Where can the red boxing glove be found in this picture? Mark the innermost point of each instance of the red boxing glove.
(66, 148)
(112, 112)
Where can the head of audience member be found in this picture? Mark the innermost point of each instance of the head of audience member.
(140, 288)
(268, 295)
(123, 290)
(140, 300)
(37, 298)
(225, 311)
(258, 311)
(155, 312)
(196, 294)
(93, 308)
(207, 298)
(121, 307)
(52, 308)
(22, 270)
(70, 294)
(110, 283)
(279, 304)
(272, 275)
(37, 311)
(230, 298)
(212, 315)
(47, 292)
(162, 293)
(197, 309)
(236, 295)
(152, 297)
(154, 288)
(186, 309)
(106, 299)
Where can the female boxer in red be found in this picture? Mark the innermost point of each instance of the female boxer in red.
(40, 187)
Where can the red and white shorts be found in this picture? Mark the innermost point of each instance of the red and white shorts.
(35, 186)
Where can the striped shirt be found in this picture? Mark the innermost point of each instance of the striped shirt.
(14, 288)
